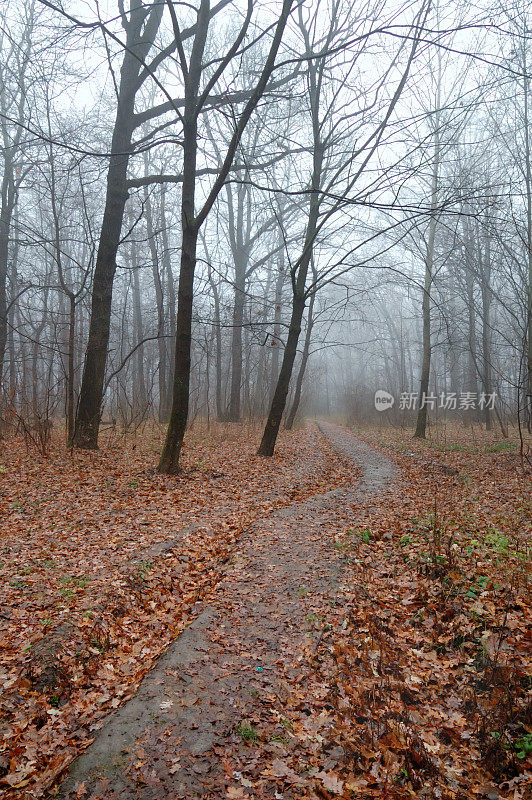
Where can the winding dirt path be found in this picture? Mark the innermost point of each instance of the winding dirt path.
(231, 667)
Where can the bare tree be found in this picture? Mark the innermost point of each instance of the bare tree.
(328, 180)
(196, 97)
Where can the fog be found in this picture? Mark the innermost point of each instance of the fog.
(315, 201)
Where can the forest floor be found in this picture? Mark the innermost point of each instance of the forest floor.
(351, 631)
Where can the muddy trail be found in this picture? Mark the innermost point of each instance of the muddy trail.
(188, 730)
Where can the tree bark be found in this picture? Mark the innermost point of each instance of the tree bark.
(421, 422)
(159, 302)
(70, 403)
(140, 395)
(171, 303)
(485, 265)
(277, 319)
(300, 272)
(169, 461)
(273, 423)
(191, 224)
(528, 187)
(236, 343)
(301, 268)
(6, 215)
(289, 424)
(138, 44)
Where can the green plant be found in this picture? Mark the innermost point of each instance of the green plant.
(497, 542)
(523, 746)
(246, 732)
(143, 567)
(401, 775)
(499, 447)
(341, 545)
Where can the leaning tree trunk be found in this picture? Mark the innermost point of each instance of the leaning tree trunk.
(273, 423)
(169, 461)
(141, 31)
(91, 392)
(299, 280)
(289, 424)
(277, 319)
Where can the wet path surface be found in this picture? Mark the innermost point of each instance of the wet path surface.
(197, 705)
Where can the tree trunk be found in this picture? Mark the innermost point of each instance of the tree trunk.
(236, 344)
(275, 416)
(485, 263)
(421, 423)
(140, 395)
(528, 185)
(91, 393)
(218, 334)
(13, 376)
(277, 319)
(159, 301)
(171, 303)
(6, 214)
(289, 424)
(299, 275)
(138, 44)
(169, 461)
(70, 404)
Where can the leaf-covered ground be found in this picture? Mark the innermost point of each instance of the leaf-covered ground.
(103, 562)
(410, 679)
(427, 669)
